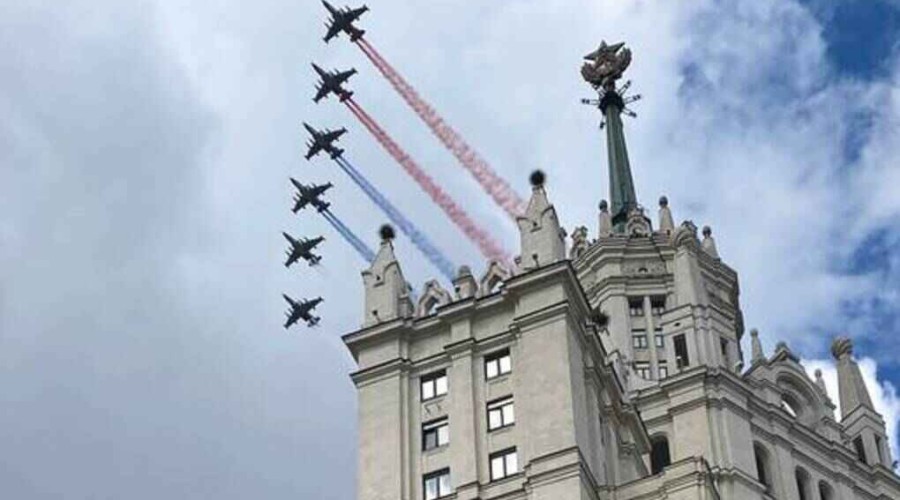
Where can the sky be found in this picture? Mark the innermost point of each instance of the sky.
(145, 148)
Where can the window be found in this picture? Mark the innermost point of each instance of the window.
(657, 305)
(825, 492)
(504, 463)
(788, 407)
(762, 465)
(663, 370)
(436, 484)
(500, 413)
(802, 478)
(435, 434)
(496, 364)
(659, 340)
(642, 369)
(681, 352)
(639, 340)
(878, 449)
(860, 449)
(659, 454)
(434, 385)
(636, 306)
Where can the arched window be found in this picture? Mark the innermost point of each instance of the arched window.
(802, 478)
(825, 491)
(762, 465)
(659, 454)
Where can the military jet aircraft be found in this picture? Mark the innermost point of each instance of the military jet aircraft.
(331, 83)
(301, 309)
(302, 248)
(324, 141)
(309, 195)
(342, 20)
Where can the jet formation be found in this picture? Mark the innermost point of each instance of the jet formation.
(331, 83)
(301, 309)
(342, 21)
(323, 141)
(310, 195)
(302, 248)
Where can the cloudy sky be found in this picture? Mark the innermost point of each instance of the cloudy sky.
(145, 148)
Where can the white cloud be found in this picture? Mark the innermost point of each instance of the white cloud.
(883, 392)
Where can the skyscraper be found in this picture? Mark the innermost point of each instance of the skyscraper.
(609, 370)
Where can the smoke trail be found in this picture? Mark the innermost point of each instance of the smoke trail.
(348, 235)
(489, 248)
(425, 246)
(492, 183)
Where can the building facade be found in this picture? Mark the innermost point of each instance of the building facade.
(605, 368)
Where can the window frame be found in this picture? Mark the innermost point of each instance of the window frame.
(642, 369)
(497, 359)
(437, 475)
(639, 339)
(659, 340)
(503, 456)
(499, 405)
(655, 308)
(680, 340)
(662, 370)
(432, 378)
(636, 311)
(434, 427)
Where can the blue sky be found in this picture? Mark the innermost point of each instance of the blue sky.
(146, 145)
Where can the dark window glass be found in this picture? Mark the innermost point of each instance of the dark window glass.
(658, 305)
(435, 434)
(642, 369)
(681, 352)
(860, 449)
(639, 341)
(761, 466)
(663, 370)
(636, 306)
(659, 455)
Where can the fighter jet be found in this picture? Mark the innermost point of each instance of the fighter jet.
(302, 248)
(301, 309)
(324, 141)
(331, 83)
(309, 195)
(342, 20)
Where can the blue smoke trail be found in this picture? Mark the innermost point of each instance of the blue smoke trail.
(348, 235)
(418, 238)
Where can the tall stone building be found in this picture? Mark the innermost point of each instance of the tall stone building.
(611, 370)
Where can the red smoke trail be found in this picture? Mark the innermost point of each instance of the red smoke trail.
(489, 248)
(492, 183)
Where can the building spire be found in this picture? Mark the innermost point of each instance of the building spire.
(606, 65)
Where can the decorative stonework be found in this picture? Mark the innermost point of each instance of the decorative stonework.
(433, 296)
(644, 268)
(494, 276)
(638, 225)
(579, 242)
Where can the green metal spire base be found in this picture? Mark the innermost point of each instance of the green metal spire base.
(621, 185)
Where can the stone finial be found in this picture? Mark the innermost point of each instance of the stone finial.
(387, 294)
(756, 348)
(465, 284)
(579, 242)
(605, 228)
(709, 243)
(666, 222)
(820, 382)
(686, 235)
(637, 224)
(542, 239)
(851, 387)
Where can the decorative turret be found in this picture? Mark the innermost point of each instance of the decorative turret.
(709, 243)
(666, 223)
(863, 424)
(387, 295)
(465, 284)
(756, 350)
(541, 234)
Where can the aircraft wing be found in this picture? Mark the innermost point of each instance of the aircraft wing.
(293, 258)
(333, 31)
(300, 203)
(342, 76)
(313, 150)
(321, 92)
(333, 135)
